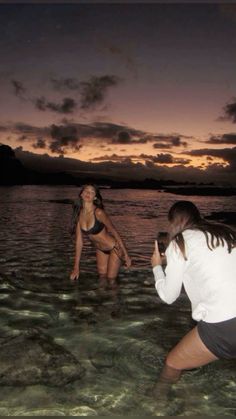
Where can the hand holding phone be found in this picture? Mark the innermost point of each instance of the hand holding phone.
(156, 257)
(162, 239)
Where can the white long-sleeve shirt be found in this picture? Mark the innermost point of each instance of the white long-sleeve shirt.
(208, 276)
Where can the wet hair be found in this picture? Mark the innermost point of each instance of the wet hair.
(78, 205)
(185, 215)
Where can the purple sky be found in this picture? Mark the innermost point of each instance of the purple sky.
(146, 86)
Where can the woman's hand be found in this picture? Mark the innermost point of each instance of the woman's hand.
(156, 257)
(127, 262)
(74, 274)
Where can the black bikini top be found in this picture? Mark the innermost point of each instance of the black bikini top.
(97, 227)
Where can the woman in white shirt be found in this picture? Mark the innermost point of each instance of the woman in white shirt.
(201, 256)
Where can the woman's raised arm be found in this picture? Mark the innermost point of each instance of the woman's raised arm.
(78, 249)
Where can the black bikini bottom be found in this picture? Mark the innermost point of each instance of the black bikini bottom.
(107, 252)
(116, 248)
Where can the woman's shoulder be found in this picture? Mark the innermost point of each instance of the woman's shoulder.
(100, 212)
(194, 237)
(192, 233)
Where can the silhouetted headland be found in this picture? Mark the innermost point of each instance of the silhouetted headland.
(225, 217)
(203, 190)
(13, 172)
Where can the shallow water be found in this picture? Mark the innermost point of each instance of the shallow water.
(103, 348)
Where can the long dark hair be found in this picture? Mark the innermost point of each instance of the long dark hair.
(78, 205)
(185, 215)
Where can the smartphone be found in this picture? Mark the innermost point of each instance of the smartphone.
(162, 240)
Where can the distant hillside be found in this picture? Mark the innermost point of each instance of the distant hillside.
(203, 190)
(13, 172)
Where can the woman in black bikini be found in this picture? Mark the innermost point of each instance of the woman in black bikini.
(91, 219)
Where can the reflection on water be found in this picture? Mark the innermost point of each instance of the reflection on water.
(74, 349)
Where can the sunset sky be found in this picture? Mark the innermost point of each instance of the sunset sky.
(143, 89)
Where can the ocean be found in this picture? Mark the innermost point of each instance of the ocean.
(74, 349)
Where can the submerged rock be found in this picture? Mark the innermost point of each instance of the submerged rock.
(34, 358)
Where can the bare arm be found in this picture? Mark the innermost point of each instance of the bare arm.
(111, 229)
(78, 250)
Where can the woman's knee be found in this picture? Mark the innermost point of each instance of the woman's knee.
(171, 362)
(189, 353)
(176, 358)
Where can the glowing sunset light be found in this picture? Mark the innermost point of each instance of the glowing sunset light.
(155, 97)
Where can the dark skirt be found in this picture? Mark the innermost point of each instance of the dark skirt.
(219, 338)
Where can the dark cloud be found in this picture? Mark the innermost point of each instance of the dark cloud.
(39, 143)
(125, 137)
(56, 138)
(177, 142)
(63, 136)
(168, 141)
(109, 131)
(222, 139)
(19, 89)
(74, 132)
(229, 112)
(73, 135)
(226, 154)
(164, 158)
(94, 90)
(68, 105)
(28, 131)
(22, 127)
(116, 157)
(160, 158)
(113, 157)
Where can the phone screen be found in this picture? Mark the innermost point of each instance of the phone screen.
(161, 248)
(162, 239)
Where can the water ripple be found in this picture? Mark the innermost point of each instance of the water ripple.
(119, 336)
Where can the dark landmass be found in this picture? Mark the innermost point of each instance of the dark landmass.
(226, 217)
(13, 172)
(202, 190)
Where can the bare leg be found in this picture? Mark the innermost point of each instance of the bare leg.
(113, 267)
(189, 353)
(102, 265)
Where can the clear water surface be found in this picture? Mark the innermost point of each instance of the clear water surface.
(119, 337)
